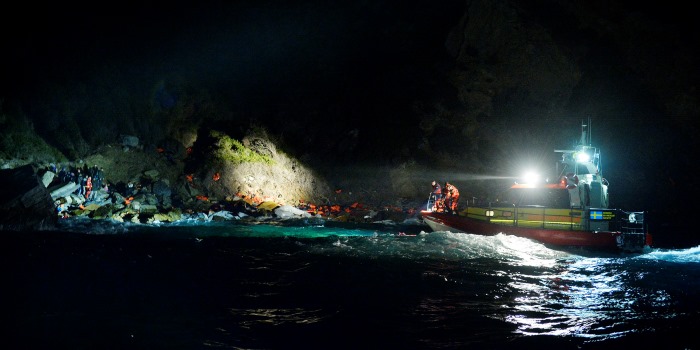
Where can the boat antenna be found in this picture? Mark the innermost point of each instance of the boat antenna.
(585, 133)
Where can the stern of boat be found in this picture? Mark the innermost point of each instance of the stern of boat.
(634, 235)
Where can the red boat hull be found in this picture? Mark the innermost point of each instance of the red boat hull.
(564, 238)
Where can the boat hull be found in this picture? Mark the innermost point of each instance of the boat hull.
(561, 238)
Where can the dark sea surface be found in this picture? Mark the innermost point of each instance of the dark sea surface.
(325, 285)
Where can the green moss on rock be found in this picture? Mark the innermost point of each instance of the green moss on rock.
(231, 150)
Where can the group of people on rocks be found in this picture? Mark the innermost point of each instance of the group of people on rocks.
(445, 199)
(89, 179)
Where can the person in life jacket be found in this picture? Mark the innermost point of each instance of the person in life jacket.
(451, 194)
(88, 188)
(437, 197)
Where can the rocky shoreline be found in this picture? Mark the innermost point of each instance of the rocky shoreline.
(35, 198)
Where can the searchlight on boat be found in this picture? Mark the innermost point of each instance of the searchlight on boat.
(530, 178)
(582, 157)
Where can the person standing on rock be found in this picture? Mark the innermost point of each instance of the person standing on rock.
(130, 189)
(80, 181)
(88, 188)
(97, 177)
(62, 175)
(72, 177)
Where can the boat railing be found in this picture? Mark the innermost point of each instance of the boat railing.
(532, 216)
(432, 198)
(633, 227)
(538, 216)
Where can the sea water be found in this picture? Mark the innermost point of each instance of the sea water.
(316, 284)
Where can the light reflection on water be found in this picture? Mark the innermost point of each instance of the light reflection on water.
(587, 297)
(431, 285)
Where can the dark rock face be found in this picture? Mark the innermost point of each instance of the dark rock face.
(25, 204)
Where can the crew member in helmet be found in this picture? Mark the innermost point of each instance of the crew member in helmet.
(451, 194)
(437, 197)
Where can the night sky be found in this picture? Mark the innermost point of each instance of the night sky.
(332, 67)
(303, 64)
(279, 57)
(242, 49)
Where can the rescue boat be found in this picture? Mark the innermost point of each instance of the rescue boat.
(572, 212)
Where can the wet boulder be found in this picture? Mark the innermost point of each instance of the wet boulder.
(162, 189)
(221, 216)
(151, 175)
(171, 216)
(148, 209)
(25, 203)
(290, 212)
(103, 212)
(150, 199)
(100, 196)
(118, 198)
(64, 190)
(47, 178)
(129, 141)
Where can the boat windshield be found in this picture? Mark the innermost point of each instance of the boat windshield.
(545, 197)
